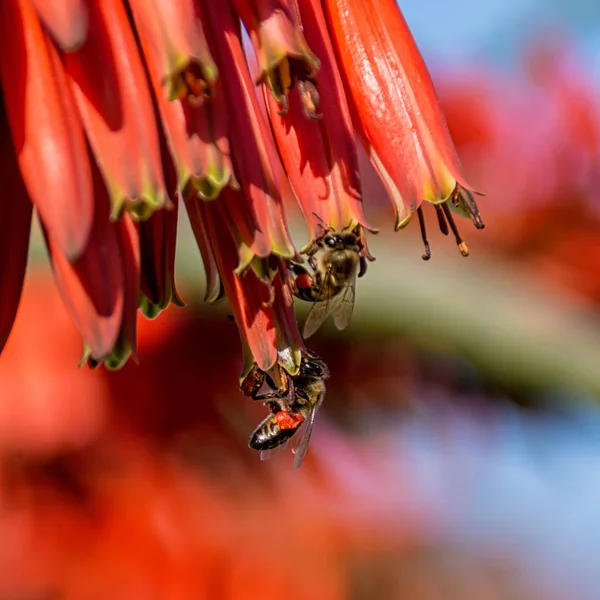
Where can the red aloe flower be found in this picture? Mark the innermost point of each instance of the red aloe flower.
(106, 73)
(259, 298)
(118, 110)
(158, 238)
(67, 21)
(255, 159)
(173, 39)
(319, 155)
(396, 111)
(15, 218)
(194, 122)
(101, 287)
(283, 53)
(47, 135)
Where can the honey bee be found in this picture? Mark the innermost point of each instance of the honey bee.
(291, 417)
(334, 258)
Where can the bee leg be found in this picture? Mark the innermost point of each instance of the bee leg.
(276, 395)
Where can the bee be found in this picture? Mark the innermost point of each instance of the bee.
(335, 258)
(292, 416)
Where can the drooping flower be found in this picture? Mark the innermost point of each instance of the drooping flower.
(283, 54)
(317, 145)
(119, 111)
(396, 112)
(259, 297)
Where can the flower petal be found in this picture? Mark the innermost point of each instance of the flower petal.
(15, 220)
(320, 156)
(158, 237)
(115, 104)
(171, 31)
(195, 208)
(196, 134)
(47, 135)
(283, 54)
(93, 287)
(255, 159)
(395, 106)
(67, 21)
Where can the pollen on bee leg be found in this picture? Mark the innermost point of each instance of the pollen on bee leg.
(310, 99)
(427, 254)
(462, 246)
(289, 420)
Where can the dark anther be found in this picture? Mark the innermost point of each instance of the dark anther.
(427, 254)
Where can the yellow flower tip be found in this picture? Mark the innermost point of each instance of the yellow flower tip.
(402, 223)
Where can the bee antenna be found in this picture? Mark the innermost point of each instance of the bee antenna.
(322, 221)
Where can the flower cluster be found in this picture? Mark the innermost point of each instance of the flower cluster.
(114, 113)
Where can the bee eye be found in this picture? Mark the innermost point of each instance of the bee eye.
(330, 241)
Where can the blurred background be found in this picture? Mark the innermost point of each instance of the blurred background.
(457, 455)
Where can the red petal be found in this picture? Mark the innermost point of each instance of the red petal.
(396, 109)
(15, 220)
(172, 33)
(196, 134)
(114, 100)
(255, 159)
(46, 131)
(93, 286)
(320, 156)
(196, 212)
(67, 21)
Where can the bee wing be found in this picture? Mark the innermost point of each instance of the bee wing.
(302, 446)
(269, 454)
(343, 305)
(319, 310)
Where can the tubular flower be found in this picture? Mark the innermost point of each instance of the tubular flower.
(320, 155)
(187, 92)
(158, 238)
(261, 305)
(118, 111)
(15, 218)
(106, 72)
(255, 160)
(283, 54)
(173, 39)
(396, 112)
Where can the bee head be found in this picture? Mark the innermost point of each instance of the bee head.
(340, 241)
(314, 367)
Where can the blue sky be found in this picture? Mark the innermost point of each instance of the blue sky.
(459, 30)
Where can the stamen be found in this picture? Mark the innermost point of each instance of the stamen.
(310, 99)
(427, 254)
(284, 104)
(464, 250)
(271, 299)
(470, 205)
(198, 90)
(443, 225)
